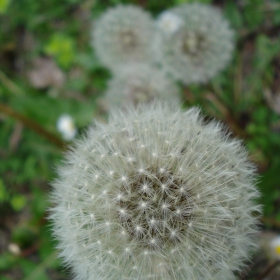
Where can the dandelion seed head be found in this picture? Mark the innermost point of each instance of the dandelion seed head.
(123, 35)
(178, 211)
(199, 48)
(141, 83)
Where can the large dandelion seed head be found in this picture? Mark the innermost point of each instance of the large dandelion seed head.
(140, 83)
(194, 42)
(155, 194)
(123, 35)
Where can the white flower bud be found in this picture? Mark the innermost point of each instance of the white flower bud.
(275, 246)
(65, 125)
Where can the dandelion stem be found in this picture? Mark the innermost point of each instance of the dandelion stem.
(32, 125)
(39, 270)
(228, 118)
(268, 270)
(10, 85)
(252, 35)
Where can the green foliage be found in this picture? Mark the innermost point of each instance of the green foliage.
(234, 15)
(24, 236)
(4, 4)
(62, 48)
(3, 192)
(191, 1)
(61, 30)
(7, 260)
(264, 144)
(266, 50)
(29, 268)
(18, 202)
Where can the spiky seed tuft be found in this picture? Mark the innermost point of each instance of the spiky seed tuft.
(188, 212)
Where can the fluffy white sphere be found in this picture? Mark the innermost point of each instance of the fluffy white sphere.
(156, 193)
(194, 42)
(123, 35)
(140, 83)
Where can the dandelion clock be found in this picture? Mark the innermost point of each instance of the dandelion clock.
(140, 83)
(123, 35)
(156, 193)
(194, 42)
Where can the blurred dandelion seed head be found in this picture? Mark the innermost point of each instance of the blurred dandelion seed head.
(200, 46)
(140, 83)
(123, 35)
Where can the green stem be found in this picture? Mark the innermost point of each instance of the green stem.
(32, 125)
(35, 274)
(268, 270)
(14, 88)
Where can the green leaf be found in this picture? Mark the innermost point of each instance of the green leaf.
(27, 266)
(252, 128)
(260, 115)
(190, 1)
(233, 14)
(23, 236)
(18, 202)
(35, 272)
(276, 16)
(4, 4)
(62, 47)
(73, 1)
(266, 50)
(6, 261)
(3, 192)
(39, 203)
(253, 13)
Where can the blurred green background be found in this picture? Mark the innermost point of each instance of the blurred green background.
(48, 68)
